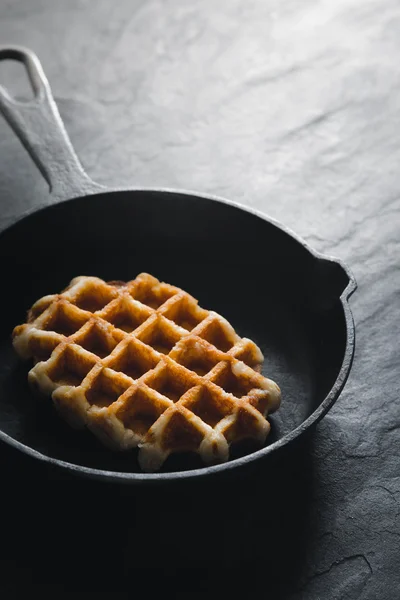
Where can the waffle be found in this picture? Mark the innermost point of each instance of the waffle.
(141, 364)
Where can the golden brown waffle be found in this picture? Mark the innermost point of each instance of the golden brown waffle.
(141, 364)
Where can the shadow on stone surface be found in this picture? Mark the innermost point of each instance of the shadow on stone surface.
(99, 536)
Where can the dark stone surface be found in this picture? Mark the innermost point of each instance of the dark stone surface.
(290, 107)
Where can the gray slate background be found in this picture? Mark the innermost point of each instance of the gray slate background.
(290, 106)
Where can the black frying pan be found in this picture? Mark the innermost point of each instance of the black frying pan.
(266, 281)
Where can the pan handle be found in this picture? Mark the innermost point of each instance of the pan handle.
(38, 125)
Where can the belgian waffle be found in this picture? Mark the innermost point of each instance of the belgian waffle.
(141, 364)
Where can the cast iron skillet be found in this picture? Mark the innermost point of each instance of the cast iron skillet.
(273, 288)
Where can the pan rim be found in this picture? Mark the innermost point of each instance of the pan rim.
(312, 419)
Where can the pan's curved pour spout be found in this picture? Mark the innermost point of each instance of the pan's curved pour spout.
(329, 282)
(38, 125)
(335, 278)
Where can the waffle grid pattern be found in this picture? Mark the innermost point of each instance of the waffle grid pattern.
(141, 364)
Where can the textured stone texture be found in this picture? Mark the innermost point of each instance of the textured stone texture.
(288, 106)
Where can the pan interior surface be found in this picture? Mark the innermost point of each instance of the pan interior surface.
(266, 283)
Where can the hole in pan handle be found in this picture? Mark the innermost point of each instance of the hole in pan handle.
(38, 125)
